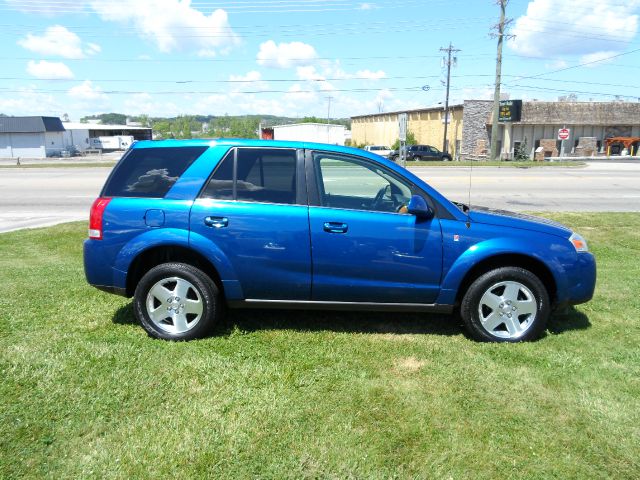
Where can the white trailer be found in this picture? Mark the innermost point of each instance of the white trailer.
(311, 132)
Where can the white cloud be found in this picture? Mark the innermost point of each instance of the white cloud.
(369, 75)
(44, 69)
(308, 73)
(575, 27)
(597, 58)
(557, 64)
(28, 101)
(286, 55)
(252, 76)
(144, 103)
(56, 41)
(87, 91)
(251, 81)
(366, 6)
(300, 95)
(173, 25)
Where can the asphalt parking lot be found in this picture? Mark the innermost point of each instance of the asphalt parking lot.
(39, 197)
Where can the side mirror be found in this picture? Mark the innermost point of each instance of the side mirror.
(419, 207)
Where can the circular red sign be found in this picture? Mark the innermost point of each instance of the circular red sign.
(563, 133)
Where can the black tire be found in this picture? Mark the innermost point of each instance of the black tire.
(201, 298)
(446, 158)
(509, 322)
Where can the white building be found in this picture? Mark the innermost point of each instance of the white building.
(38, 137)
(311, 132)
(31, 137)
(83, 136)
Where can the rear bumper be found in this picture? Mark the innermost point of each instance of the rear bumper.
(98, 270)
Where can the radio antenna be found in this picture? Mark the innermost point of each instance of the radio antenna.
(469, 203)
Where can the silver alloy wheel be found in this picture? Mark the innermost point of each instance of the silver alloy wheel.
(507, 309)
(174, 305)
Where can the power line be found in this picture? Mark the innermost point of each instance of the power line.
(564, 69)
(319, 80)
(581, 92)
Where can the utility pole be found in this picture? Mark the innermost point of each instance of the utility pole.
(449, 51)
(328, 116)
(496, 93)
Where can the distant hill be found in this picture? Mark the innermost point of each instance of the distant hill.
(265, 120)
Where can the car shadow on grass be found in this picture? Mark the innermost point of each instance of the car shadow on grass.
(356, 322)
(568, 320)
(342, 322)
(313, 321)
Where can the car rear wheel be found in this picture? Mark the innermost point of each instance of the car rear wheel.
(508, 304)
(176, 301)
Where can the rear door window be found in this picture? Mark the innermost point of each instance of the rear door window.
(265, 175)
(150, 172)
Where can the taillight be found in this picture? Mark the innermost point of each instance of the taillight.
(95, 217)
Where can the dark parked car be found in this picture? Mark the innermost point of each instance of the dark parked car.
(190, 227)
(421, 152)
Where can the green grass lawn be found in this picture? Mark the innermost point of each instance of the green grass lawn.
(86, 394)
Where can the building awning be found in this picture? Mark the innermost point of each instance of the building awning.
(626, 141)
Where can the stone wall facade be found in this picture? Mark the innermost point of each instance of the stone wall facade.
(587, 147)
(475, 134)
(547, 149)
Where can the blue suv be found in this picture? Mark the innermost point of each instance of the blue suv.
(189, 227)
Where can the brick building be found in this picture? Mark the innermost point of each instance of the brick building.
(535, 134)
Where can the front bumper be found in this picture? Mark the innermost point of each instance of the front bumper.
(583, 287)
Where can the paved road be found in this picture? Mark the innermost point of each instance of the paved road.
(46, 196)
(595, 188)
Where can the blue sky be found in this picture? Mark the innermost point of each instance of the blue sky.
(294, 57)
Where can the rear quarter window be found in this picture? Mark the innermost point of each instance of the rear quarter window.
(150, 172)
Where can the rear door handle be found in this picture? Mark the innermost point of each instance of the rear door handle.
(335, 227)
(216, 222)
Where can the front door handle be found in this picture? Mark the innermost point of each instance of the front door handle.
(216, 222)
(335, 227)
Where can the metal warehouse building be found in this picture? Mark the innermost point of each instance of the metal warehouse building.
(31, 137)
(38, 137)
(535, 131)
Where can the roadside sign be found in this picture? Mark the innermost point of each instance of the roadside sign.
(510, 111)
(563, 133)
(402, 125)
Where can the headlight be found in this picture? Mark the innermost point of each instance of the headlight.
(579, 242)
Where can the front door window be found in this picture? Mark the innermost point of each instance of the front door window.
(349, 183)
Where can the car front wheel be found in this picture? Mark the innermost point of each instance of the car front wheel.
(508, 304)
(176, 301)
